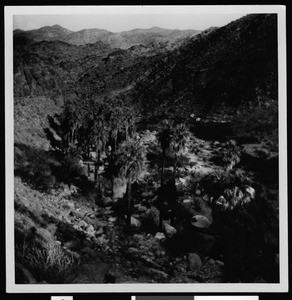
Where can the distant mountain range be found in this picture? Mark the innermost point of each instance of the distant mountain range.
(227, 66)
(123, 40)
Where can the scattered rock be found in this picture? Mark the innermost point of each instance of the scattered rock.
(138, 237)
(198, 192)
(147, 194)
(135, 223)
(112, 219)
(159, 236)
(195, 262)
(90, 231)
(153, 214)
(99, 224)
(107, 201)
(157, 274)
(169, 230)
(76, 227)
(99, 231)
(187, 201)
(149, 262)
(212, 271)
(82, 224)
(140, 207)
(200, 221)
(78, 214)
(133, 250)
(102, 240)
(206, 198)
(250, 191)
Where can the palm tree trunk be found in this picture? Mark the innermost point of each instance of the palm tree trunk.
(116, 142)
(97, 164)
(129, 203)
(174, 166)
(162, 167)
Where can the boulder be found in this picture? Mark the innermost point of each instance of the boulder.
(82, 224)
(188, 201)
(112, 219)
(102, 240)
(90, 231)
(198, 192)
(78, 214)
(153, 213)
(119, 188)
(140, 207)
(135, 223)
(133, 251)
(169, 230)
(99, 231)
(195, 262)
(107, 201)
(250, 191)
(200, 221)
(159, 236)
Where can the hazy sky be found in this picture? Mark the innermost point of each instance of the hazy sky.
(120, 22)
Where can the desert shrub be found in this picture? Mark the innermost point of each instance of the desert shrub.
(244, 218)
(229, 156)
(69, 170)
(243, 229)
(35, 166)
(50, 264)
(218, 181)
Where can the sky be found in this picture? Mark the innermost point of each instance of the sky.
(116, 19)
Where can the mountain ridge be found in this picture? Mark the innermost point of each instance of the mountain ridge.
(123, 39)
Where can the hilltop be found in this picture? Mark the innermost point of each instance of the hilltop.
(124, 39)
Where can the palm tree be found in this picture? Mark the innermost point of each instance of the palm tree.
(164, 137)
(131, 161)
(179, 138)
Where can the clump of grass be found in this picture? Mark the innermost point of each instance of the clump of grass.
(50, 263)
(217, 182)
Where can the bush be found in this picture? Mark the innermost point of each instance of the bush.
(50, 264)
(217, 182)
(35, 166)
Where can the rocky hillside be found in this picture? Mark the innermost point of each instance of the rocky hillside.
(228, 66)
(48, 68)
